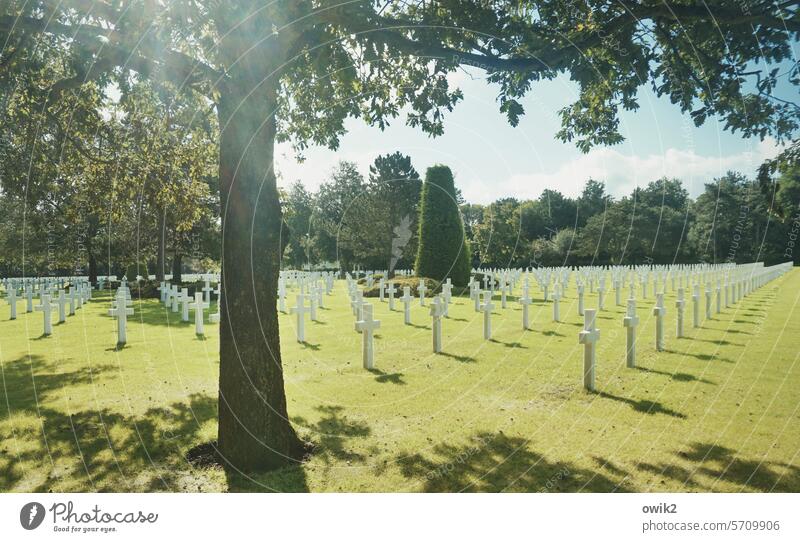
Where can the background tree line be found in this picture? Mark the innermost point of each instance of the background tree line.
(351, 219)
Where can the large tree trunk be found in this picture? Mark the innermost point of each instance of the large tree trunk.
(177, 267)
(254, 428)
(161, 256)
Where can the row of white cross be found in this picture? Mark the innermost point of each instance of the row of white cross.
(740, 282)
(51, 298)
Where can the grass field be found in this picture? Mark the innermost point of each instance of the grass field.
(718, 411)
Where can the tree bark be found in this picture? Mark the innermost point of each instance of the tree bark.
(177, 266)
(254, 428)
(161, 256)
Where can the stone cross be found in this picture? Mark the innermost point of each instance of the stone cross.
(406, 299)
(45, 307)
(366, 326)
(312, 303)
(525, 301)
(185, 300)
(28, 298)
(217, 316)
(580, 299)
(421, 289)
(589, 337)
(207, 289)
(708, 302)
(381, 289)
(73, 300)
(282, 296)
(121, 312)
(12, 301)
(556, 312)
(62, 306)
(680, 304)
(696, 306)
(630, 321)
(199, 305)
(175, 297)
(446, 295)
(659, 311)
(601, 294)
(718, 298)
(503, 287)
(300, 310)
(162, 290)
(437, 311)
(391, 290)
(616, 292)
(487, 307)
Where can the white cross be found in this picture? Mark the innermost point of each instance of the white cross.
(207, 289)
(580, 299)
(45, 307)
(366, 326)
(708, 302)
(525, 301)
(589, 337)
(185, 300)
(437, 310)
(121, 312)
(62, 303)
(29, 298)
(199, 306)
(696, 306)
(381, 289)
(487, 307)
(680, 304)
(556, 312)
(407, 299)
(659, 311)
(162, 289)
(300, 310)
(421, 289)
(175, 297)
(391, 290)
(630, 321)
(12, 301)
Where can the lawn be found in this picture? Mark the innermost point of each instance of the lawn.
(718, 411)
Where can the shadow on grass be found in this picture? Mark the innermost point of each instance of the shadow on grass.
(644, 406)
(495, 462)
(514, 344)
(392, 378)
(462, 359)
(678, 377)
(96, 450)
(701, 357)
(710, 464)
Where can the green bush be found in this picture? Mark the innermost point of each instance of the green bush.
(443, 251)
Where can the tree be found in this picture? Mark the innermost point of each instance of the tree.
(296, 69)
(443, 251)
(498, 235)
(395, 187)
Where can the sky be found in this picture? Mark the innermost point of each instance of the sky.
(490, 159)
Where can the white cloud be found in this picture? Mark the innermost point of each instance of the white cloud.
(622, 172)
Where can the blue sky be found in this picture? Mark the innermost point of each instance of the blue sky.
(491, 159)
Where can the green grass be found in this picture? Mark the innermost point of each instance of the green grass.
(718, 411)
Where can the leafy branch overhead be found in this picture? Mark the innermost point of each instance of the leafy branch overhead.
(378, 59)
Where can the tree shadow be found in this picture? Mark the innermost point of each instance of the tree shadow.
(552, 334)
(678, 377)
(495, 462)
(514, 344)
(392, 378)
(462, 359)
(311, 346)
(102, 450)
(642, 405)
(701, 357)
(419, 326)
(718, 463)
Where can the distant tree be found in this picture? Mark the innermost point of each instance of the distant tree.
(395, 187)
(443, 251)
(592, 201)
(298, 210)
(498, 237)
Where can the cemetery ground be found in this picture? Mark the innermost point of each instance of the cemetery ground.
(718, 410)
